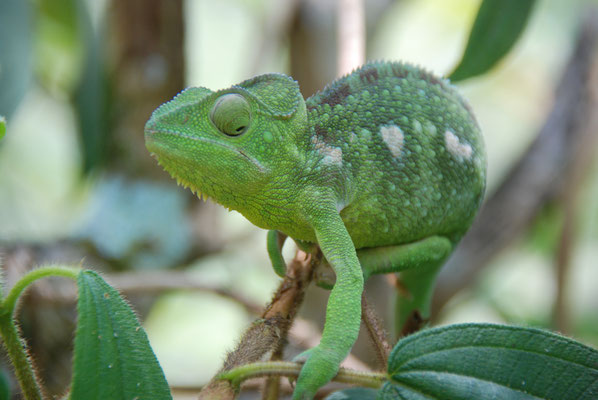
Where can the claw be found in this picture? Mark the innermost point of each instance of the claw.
(303, 356)
(318, 369)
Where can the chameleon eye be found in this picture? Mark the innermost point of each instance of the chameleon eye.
(231, 114)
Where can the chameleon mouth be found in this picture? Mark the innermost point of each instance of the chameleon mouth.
(155, 144)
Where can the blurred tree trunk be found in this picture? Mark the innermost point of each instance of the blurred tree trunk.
(146, 49)
(134, 62)
(313, 40)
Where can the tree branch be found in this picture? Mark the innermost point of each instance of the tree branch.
(267, 334)
(376, 331)
(351, 35)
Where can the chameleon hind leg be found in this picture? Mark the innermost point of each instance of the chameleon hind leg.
(418, 262)
(275, 241)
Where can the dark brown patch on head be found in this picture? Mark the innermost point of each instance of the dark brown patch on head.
(322, 134)
(431, 78)
(334, 96)
(368, 75)
(399, 71)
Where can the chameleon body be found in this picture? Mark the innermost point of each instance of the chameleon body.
(384, 169)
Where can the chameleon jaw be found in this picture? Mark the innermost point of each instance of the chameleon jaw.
(151, 137)
(180, 181)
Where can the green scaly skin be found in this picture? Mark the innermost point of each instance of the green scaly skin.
(387, 160)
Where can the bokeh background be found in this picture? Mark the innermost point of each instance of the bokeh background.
(79, 78)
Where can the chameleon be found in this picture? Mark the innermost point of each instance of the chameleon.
(384, 169)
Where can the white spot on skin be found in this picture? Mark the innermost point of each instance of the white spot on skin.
(334, 153)
(331, 154)
(417, 126)
(394, 139)
(455, 147)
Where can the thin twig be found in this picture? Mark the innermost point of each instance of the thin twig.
(271, 389)
(275, 30)
(376, 331)
(149, 283)
(351, 35)
(267, 334)
(580, 166)
(286, 368)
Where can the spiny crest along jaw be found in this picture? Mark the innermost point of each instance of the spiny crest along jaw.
(182, 182)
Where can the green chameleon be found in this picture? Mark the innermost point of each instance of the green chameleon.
(384, 170)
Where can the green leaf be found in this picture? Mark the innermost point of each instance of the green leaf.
(354, 394)
(497, 27)
(16, 59)
(59, 43)
(484, 361)
(4, 385)
(113, 358)
(2, 127)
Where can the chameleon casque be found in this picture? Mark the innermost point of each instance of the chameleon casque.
(384, 169)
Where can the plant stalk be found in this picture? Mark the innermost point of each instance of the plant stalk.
(17, 352)
(13, 342)
(284, 368)
(10, 301)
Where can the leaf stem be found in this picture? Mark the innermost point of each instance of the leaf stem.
(13, 342)
(17, 352)
(284, 368)
(10, 301)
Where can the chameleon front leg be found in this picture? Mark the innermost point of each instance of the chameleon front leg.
(343, 313)
(275, 241)
(418, 262)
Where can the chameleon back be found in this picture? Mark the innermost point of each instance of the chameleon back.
(405, 149)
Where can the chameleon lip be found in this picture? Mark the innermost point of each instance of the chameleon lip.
(151, 135)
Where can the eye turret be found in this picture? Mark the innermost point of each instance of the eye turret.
(231, 114)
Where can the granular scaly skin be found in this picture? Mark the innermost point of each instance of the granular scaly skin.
(381, 133)
(387, 160)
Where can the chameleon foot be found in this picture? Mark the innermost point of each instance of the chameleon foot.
(318, 369)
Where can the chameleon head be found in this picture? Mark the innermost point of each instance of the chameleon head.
(228, 144)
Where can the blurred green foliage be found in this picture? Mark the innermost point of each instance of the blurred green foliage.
(15, 54)
(138, 224)
(59, 43)
(497, 27)
(4, 385)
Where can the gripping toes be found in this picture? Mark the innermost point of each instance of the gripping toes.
(318, 370)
